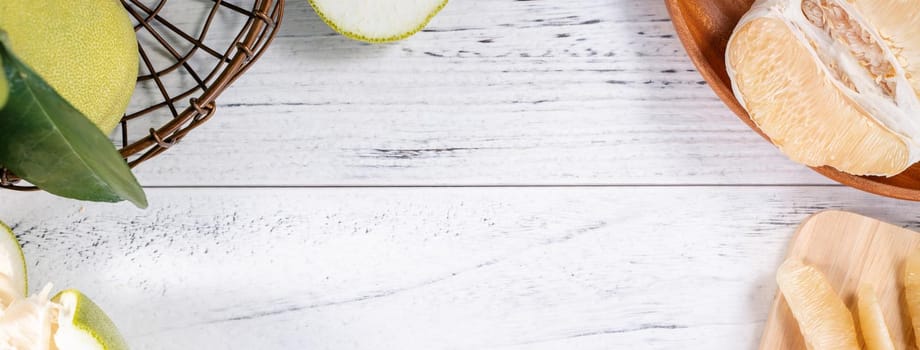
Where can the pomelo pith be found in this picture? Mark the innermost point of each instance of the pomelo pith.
(377, 20)
(68, 321)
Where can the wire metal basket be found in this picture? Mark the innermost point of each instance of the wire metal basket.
(184, 70)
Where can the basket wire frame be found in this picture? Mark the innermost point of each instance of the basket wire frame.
(195, 104)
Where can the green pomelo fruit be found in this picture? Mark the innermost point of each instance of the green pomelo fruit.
(85, 49)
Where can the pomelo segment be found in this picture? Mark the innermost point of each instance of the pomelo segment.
(28, 323)
(912, 290)
(797, 105)
(377, 21)
(872, 321)
(823, 318)
(832, 82)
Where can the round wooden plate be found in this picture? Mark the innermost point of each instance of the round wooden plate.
(704, 27)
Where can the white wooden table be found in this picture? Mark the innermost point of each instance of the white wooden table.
(521, 175)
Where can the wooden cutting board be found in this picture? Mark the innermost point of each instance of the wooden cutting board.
(849, 249)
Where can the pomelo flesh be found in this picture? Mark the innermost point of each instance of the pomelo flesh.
(871, 320)
(832, 82)
(823, 318)
(911, 280)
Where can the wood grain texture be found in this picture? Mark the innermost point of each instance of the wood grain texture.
(849, 249)
(493, 92)
(423, 268)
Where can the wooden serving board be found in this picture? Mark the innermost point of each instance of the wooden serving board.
(849, 249)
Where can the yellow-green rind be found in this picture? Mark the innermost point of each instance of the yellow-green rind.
(12, 237)
(89, 318)
(360, 37)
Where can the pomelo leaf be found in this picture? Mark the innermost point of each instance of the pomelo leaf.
(49, 143)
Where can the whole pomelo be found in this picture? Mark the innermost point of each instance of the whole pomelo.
(85, 49)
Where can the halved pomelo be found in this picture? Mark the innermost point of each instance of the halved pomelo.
(69, 321)
(13, 279)
(823, 318)
(832, 82)
(377, 20)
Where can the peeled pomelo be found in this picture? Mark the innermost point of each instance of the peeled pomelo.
(377, 21)
(823, 318)
(832, 82)
(85, 49)
(912, 290)
(872, 321)
(68, 321)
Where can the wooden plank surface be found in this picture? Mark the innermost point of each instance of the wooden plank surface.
(277, 224)
(849, 249)
(422, 268)
(494, 92)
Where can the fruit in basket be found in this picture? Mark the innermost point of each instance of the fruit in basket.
(377, 21)
(871, 320)
(46, 141)
(823, 318)
(832, 82)
(85, 49)
(68, 321)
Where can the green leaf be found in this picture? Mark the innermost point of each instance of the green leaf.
(4, 87)
(49, 143)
